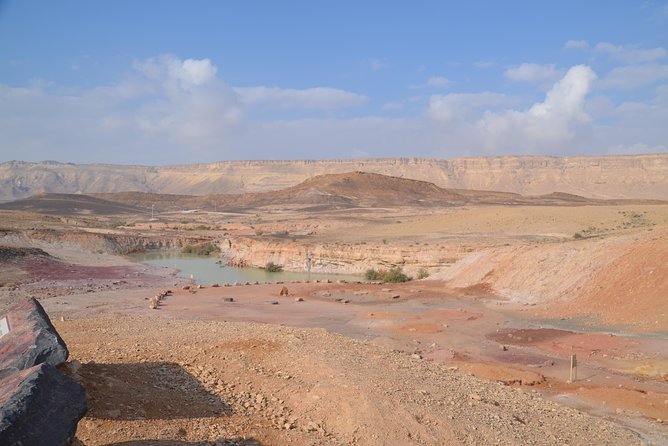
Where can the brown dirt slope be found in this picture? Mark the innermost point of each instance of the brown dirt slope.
(618, 280)
(348, 190)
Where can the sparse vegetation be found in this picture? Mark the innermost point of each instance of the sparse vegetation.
(578, 235)
(200, 250)
(422, 273)
(273, 267)
(392, 275)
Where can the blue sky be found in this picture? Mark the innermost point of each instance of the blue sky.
(163, 82)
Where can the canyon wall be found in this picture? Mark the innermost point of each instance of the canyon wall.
(632, 176)
(107, 243)
(336, 257)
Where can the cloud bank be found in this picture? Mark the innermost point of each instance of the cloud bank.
(172, 110)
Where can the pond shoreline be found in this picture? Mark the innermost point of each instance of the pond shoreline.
(210, 270)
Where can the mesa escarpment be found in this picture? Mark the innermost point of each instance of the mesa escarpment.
(633, 176)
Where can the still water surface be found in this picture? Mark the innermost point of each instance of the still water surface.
(208, 270)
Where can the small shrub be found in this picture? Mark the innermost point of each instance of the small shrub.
(259, 232)
(372, 274)
(422, 273)
(393, 275)
(200, 250)
(273, 267)
(577, 236)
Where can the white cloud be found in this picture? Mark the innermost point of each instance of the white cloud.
(463, 106)
(629, 77)
(576, 44)
(533, 72)
(309, 98)
(631, 54)
(546, 124)
(438, 82)
(171, 71)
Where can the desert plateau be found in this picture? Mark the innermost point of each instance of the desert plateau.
(421, 314)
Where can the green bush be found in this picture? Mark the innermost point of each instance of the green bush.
(393, 275)
(200, 250)
(577, 235)
(273, 268)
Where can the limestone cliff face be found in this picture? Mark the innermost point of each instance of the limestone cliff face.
(335, 258)
(111, 243)
(634, 176)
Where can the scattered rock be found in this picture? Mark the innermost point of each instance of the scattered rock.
(40, 406)
(31, 338)
(299, 299)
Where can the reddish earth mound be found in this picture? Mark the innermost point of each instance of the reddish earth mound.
(52, 269)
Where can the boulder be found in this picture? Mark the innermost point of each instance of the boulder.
(28, 338)
(39, 406)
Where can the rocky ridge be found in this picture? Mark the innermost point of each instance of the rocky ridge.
(633, 176)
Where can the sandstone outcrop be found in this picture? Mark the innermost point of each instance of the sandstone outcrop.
(337, 258)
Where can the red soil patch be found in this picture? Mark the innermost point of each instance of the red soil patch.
(456, 314)
(565, 342)
(503, 373)
(46, 268)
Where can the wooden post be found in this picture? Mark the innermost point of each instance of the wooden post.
(574, 369)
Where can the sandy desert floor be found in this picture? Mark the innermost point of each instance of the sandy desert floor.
(436, 361)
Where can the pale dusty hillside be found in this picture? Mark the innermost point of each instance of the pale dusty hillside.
(617, 280)
(635, 176)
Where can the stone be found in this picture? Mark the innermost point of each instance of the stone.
(31, 338)
(299, 299)
(228, 299)
(39, 406)
(284, 291)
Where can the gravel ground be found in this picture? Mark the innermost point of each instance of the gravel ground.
(160, 381)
